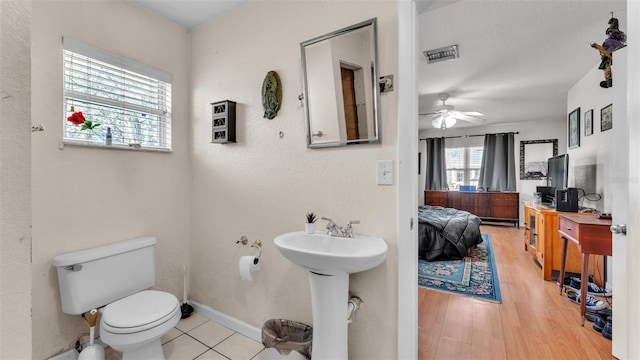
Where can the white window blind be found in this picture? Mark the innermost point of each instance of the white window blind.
(131, 99)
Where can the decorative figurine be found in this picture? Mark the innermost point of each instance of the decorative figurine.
(271, 94)
(615, 40)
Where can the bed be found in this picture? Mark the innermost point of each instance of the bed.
(445, 233)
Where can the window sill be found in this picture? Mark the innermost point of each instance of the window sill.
(111, 147)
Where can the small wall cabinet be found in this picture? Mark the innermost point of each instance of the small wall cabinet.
(223, 122)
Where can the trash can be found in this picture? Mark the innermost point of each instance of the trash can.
(287, 339)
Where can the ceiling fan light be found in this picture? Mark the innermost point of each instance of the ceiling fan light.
(443, 122)
(449, 121)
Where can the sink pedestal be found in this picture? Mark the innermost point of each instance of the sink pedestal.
(329, 303)
(329, 260)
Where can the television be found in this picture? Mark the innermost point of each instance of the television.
(557, 179)
(558, 172)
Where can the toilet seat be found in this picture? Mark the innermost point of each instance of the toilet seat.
(139, 312)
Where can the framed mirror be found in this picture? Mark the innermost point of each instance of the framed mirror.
(533, 158)
(340, 87)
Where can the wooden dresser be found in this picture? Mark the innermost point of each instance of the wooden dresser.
(501, 206)
(542, 240)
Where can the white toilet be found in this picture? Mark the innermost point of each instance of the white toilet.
(118, 276)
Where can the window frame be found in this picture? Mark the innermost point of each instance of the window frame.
(466, 169)
(131, 67)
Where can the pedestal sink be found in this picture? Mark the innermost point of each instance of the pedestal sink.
(330, 260)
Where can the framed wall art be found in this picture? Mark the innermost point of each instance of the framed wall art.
(588, 123)
(606, 118)
(573, 131)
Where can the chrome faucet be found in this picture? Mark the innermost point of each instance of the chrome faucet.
(334, 230)
(348, 230)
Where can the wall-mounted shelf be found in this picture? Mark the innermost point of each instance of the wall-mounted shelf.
(223, 122)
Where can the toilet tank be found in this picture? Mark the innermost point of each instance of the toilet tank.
(95, 277)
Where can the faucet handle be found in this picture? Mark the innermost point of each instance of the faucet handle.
(348, 230)
(332, 228)
(329, 220)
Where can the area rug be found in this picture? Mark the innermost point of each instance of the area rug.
(475, 276)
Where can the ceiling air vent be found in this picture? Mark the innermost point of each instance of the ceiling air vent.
(441, 54)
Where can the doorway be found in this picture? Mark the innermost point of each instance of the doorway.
(407, 301)
(350, 104)
(354, 99)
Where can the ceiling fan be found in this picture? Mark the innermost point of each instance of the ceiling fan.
(444, 116)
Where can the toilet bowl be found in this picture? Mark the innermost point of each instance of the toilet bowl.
(134, 325)
(117, 278)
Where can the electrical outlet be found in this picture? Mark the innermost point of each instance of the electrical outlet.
(384, 172)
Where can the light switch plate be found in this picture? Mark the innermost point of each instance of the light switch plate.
(384, 172)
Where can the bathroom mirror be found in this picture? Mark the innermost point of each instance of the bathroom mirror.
(340, 88)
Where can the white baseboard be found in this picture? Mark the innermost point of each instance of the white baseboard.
(232, 323)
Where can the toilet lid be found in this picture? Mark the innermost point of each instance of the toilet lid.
(145, 309)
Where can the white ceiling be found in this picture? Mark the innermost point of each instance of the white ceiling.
(517, 59)
(189, 13)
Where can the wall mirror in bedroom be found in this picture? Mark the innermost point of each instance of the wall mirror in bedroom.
(340, 91)
(533, 157)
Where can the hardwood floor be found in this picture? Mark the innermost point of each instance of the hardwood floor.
(533, 321)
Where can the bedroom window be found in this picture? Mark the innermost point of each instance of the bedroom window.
(463, 166)
(131, 101)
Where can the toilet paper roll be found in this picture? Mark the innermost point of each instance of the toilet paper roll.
(246, 265)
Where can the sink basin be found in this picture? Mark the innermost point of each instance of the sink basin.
(331, 255)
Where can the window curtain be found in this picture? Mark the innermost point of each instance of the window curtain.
(436, 174)
(498, 168)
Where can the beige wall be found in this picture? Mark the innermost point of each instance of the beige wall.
(84, 197)
(262, 185)
(589, 164)
(15, 194)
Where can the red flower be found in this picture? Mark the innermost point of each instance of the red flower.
(76, 118)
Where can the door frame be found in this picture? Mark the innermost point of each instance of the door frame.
(625, 177)
(407, 181)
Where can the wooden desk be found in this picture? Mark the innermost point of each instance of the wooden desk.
(592, 236)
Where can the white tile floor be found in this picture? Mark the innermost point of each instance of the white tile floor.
(197, 337)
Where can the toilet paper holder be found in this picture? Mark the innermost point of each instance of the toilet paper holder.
(256, 244)
(243, 239)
